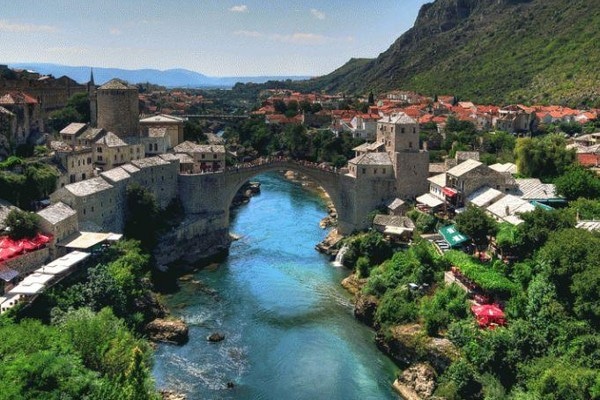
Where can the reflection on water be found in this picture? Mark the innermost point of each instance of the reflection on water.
(288, 324)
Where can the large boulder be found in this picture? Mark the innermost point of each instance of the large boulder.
(365, 308)
(169, 331)
(417, 382)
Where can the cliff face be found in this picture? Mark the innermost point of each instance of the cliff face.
(489, 51)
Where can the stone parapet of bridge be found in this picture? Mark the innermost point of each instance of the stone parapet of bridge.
(211, 194)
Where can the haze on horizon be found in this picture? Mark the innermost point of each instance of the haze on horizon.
(215, 38)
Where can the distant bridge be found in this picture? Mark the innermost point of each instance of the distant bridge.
(231, 117)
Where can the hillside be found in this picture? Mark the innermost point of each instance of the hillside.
(489, 51)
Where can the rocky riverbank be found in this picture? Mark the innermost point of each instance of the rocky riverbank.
(421, 357)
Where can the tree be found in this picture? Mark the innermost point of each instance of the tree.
(543, 157)
(193, 131)
(539, 224)
(586, 208)
(475, 223)
(141, 220)
(22, 223)
(578, 182)
(572, 261)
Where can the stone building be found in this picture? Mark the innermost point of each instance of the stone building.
(119, 178)
(118, 108)
(74, 162)
(207, 157)
(50, 93)
(471, 175)
(94, 200)
(156, 141)
(172, 125)
(159, 176)
(111, 151)
(27, 115)
(60, 221)
(70, 133)
(88, 137)
(396, 147)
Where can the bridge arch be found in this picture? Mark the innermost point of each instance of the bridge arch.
(330, 180)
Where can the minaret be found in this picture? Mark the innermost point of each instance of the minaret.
(92, 97)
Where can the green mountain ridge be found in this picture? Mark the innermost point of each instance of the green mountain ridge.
(489, 51)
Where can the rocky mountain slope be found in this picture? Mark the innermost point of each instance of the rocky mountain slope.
(488, 51)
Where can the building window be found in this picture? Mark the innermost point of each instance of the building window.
(364, 171)
(84, 211)
(99, 149)
(99, 158)
(215, 156)
(384, 171)
(89, 160)
(410, 145)
(92, 208)
(83, 177)
(202, 156)
(414, 130)
(401, 130)
(375, 171)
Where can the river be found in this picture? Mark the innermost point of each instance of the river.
(288, 324)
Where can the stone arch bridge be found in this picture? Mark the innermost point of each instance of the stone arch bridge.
(209, 195)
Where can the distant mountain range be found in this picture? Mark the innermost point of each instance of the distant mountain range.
(169, 78)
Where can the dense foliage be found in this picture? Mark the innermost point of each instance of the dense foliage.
(76, 110)
(22, 224)
(28, 183)
(88, 351)
(550, 347)
(543, 157)
(477, 224)
(254, 138)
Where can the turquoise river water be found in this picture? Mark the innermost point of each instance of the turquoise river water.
(288, 324)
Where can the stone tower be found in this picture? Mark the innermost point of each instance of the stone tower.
(91, 89)
(118, 108)
(400, 135)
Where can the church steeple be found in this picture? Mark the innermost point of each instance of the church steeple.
(92, 98)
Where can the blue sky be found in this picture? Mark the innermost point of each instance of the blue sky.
(216, 38)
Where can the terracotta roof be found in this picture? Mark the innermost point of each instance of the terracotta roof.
(12, 98)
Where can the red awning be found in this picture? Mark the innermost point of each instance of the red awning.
(488, 314)
(449, 192)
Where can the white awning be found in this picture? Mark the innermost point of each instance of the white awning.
(429, 200)
(396, 230)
